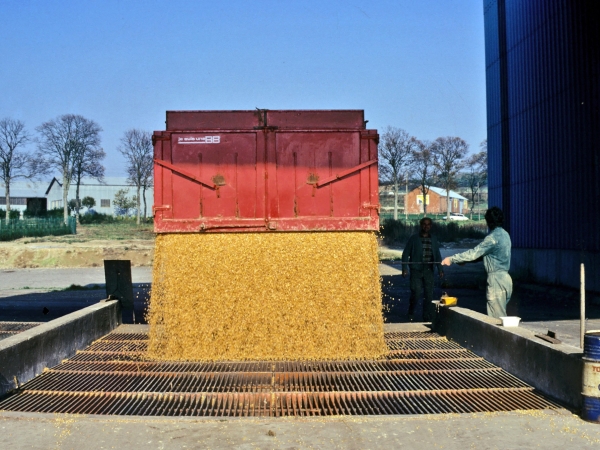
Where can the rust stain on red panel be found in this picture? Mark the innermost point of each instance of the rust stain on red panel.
(233, 171)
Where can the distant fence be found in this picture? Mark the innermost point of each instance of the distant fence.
(399, 230)
(15, 228)
(411, 217)
(416, 217)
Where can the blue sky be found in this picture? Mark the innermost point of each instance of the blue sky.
(414, 64)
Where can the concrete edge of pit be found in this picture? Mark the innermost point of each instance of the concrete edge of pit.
(419, 327)
(554, 369)
(121, 419)
(27, 354)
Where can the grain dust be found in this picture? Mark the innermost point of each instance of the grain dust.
(266, 296)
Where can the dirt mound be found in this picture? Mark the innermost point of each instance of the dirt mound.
(53, 253)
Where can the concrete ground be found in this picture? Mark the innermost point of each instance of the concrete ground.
(45, 279)
(514, 430)
(23, 292)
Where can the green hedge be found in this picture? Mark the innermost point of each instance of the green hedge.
(14, 214)
(399, 231)
(86, 219)
(57, 213)
(15, 229)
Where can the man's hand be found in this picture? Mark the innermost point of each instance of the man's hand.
(446, 261)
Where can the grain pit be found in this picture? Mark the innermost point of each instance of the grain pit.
(266, 296)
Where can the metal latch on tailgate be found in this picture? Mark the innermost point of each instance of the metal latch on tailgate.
(344, 173)
(214, 185)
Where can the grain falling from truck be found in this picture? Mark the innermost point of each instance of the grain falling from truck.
(266, 296)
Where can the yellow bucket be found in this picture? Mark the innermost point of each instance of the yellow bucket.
(448, 301)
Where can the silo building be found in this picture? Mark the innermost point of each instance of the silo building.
(543, 102)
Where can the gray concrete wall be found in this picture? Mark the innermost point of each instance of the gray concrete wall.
(27, 354)
(559, 267)
(554, 369)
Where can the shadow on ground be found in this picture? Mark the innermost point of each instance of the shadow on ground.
(45, 306)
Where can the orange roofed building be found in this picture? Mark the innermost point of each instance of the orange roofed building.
(436, 201)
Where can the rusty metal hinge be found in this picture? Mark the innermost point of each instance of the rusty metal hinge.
(376, 207)
(550, 337)
(372, 137)
(163, 137)
(160, 208)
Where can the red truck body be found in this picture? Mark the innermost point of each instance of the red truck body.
(265, 170)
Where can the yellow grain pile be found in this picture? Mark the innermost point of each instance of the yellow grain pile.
(266, 296)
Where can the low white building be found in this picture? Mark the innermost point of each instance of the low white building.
(102, 192)
(24, 195)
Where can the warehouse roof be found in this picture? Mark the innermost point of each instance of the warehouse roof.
(442, 192)
(26, 189)
(106, 181)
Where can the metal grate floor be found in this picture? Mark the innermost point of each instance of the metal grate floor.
(423, 374)
(8, 329)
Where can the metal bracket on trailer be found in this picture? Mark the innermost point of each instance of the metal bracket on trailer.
(187, 174)
(164, 137)
(376, 207)
(160, 208)
(346, 172)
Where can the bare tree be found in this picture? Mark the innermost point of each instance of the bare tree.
(395, 152)
(448, 154)
(423, 169)
(14, 163)
(148, 180)
(136, 147)
(476, 175)
(87, 163)
(61, 145)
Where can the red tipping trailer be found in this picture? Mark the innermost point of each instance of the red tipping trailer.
(265, 170)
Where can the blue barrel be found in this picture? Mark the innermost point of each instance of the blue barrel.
(591, 377)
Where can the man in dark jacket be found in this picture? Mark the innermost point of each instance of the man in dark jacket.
(422, 252)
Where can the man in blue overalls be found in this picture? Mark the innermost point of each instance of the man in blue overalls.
(495, 251)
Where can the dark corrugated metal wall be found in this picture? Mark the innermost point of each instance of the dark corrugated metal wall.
(543, 66)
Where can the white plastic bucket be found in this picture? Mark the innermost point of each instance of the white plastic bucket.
(510, 321)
